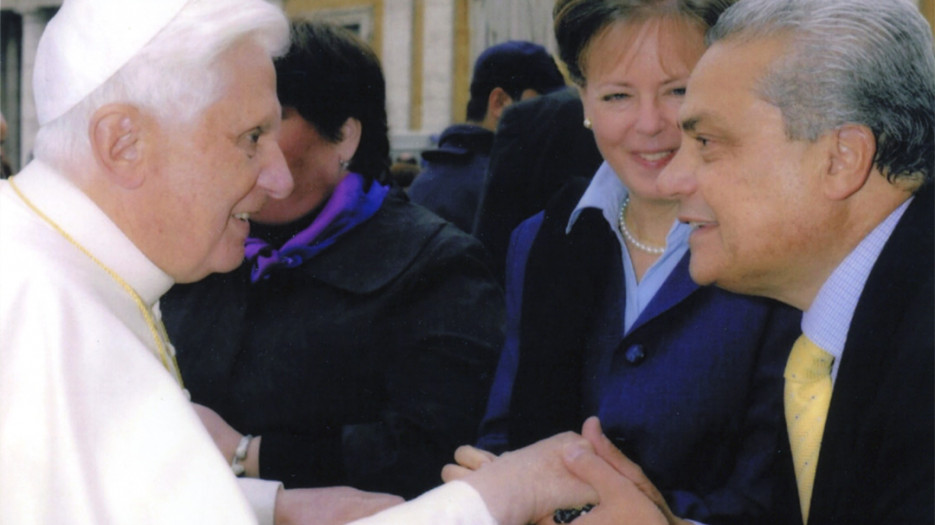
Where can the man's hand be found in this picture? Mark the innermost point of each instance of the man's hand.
(329, 506)
(622, 485)
(528, 484)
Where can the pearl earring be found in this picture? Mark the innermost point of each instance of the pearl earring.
(587, 122)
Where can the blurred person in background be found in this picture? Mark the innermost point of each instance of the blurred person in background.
(5, 169)
(453, 174)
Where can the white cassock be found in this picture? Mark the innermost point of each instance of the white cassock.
(93, 429)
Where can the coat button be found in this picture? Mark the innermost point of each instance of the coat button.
(635, 354)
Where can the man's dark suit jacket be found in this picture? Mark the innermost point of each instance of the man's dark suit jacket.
(540, 144)
(876, 464)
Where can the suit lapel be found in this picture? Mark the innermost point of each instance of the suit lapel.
(564, 282)
(674, 290)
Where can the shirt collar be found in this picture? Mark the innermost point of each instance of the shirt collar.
(828, 319)
(75, 213)
(606, 193)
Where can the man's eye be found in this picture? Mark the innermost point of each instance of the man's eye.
(255, 136)
(701, 141)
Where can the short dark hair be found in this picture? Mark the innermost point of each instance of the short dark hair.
(330, 75)
(513, 66)
(577, 22)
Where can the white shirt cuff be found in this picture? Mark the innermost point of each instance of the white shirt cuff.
(261, 495)
(454, 503)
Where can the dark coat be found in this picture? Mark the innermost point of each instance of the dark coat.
(365, 366)
(540, 144)
(693, 393)
(877, 458)
(452, 175)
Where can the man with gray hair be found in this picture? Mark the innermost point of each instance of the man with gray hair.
(806, 173)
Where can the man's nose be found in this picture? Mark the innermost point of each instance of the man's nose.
(275, 177)
(677, 179)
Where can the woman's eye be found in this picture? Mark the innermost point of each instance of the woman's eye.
(616, 96)
(679, 92)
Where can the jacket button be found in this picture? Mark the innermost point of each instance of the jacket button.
(635, 354)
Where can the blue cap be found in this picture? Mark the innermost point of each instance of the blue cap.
(515, 66)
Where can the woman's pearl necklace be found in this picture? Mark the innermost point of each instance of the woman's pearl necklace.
(622, 223)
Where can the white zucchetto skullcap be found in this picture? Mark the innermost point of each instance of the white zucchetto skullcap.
(88, 41)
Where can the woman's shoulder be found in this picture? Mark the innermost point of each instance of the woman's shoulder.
(405, 221)
(401, 239)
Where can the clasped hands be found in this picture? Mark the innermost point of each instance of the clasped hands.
(527, 485)
(564, 471)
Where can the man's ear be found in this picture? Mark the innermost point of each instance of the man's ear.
(497, 101)
(351, 131)
(117, 143)
(852, 148)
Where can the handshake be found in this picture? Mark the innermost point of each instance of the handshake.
(565, 471)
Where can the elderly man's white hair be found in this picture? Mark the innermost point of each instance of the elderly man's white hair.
(173, 75)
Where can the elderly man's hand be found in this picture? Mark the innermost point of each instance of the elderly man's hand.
(329, 506)
(525, 485)
(467, 459)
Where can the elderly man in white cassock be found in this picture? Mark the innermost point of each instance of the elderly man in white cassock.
(152, 151)
(158, 138)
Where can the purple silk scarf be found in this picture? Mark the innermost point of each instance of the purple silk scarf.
(348, 206)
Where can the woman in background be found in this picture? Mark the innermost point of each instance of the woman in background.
(356, 344)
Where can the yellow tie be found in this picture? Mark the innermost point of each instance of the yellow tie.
(807, 395)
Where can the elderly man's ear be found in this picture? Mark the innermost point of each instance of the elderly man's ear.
(118, 144)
